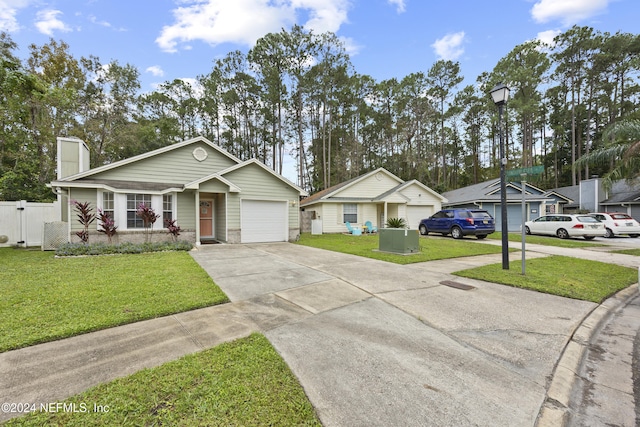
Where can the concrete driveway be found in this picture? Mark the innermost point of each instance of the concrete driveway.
(386, 344)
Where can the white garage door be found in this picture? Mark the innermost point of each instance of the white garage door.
(417, 213)
(263, 221)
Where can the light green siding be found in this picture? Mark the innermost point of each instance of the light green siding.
(186, 206)
(256, 183)
(219, 204)
(82, 195)
(214, 186)
(233, 211)
(175, 166)
(73, 157)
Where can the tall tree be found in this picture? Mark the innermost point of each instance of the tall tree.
(301, 50)
(620, 152)
(109, 106)
(574, 50)
(443, 77)
(524, 70)
(269, 60)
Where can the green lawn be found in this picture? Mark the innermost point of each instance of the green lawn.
(46, 298)
(635, 252)
(432, 248)
(568, 277)
(547, 240)
(241, 383)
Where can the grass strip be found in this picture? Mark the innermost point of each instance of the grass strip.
(547, 240)
(46, 298)
(241, 383)
(432, 248)
(559, 275)
(634, 252)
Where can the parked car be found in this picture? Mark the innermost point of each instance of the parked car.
(618, 223)
(459, 223)
(566, 225)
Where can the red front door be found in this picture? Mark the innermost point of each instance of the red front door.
(206, 218)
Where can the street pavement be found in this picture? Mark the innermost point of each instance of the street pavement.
(374, 343)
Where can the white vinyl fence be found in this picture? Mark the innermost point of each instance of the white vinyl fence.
(22, 222)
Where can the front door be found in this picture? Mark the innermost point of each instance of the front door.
(206, 218)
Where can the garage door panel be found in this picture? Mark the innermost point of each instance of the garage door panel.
(264, 221)
(514, 217)
(417, 213)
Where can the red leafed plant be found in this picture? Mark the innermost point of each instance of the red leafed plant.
(85, 218)
(108, 225)
(149, 217)
(172, 228)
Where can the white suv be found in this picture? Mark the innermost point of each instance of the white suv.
(618, 223)
(565, 226)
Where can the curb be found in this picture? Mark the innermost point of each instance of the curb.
(556, 404)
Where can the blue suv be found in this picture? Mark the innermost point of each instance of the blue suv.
(459, 223)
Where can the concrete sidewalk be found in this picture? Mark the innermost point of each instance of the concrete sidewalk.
(372, 343)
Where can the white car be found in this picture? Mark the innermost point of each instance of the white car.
(565, 226)
(618, 223)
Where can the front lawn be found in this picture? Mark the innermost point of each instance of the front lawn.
(558, 275)
(46, 298)
(547, 240)
(432, 248)
(241, 383)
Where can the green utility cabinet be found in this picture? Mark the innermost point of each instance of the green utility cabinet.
(399, 240)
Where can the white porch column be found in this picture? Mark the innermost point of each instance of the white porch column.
(385, 216)
(198, 243)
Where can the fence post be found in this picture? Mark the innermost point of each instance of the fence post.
(21, 205)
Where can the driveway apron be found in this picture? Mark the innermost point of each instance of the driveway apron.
(392, 345)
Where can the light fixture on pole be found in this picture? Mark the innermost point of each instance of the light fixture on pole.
(500, 95)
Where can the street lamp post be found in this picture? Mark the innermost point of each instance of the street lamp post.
(500, 95)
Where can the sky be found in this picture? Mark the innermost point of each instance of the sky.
(169, 39)
(181, 39)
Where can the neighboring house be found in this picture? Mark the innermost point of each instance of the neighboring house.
(623, 197)
(590, 195)
(374, 196)
(565, 200)
(486, 195)
(212, 195)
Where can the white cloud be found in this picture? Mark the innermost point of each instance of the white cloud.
(568, 12)
(245, 21)
(156, 70)
(449, 47)
(94, 20)
(547, 37)
(8, 11)
(48, 22)
(350, 46)
(325, 15)
(400, 6)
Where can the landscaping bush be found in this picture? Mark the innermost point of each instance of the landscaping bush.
(77, 249)
(396, 223)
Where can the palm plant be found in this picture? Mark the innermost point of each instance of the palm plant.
(396, 223)
(620, 152)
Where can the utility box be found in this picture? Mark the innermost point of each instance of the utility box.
(399, 240)
(316, 226)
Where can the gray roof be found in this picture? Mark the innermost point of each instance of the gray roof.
(487, 192)
(623, 192)
(571, 192)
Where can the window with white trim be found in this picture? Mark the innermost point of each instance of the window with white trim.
(107, 203)
(349, 212)
(167, 209)
(133, 201)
